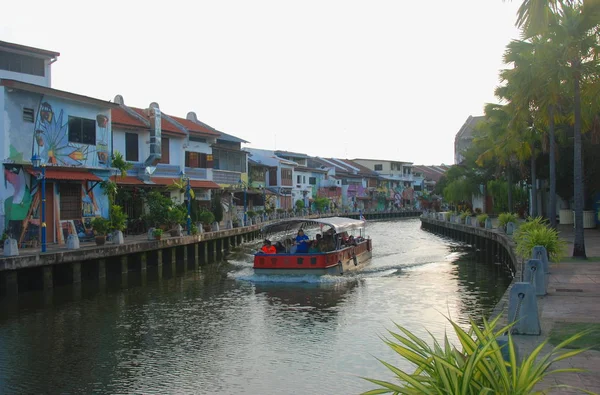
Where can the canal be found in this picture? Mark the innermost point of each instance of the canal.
(223, 330)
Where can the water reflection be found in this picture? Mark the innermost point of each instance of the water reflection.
(223, 330)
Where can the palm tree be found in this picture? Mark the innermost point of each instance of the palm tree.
(576, 24)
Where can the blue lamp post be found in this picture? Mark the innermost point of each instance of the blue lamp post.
(36, 161)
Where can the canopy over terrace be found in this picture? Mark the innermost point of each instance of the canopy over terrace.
(338, 224)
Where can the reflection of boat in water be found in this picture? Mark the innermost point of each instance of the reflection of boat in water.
(341, 253)
(318, 295)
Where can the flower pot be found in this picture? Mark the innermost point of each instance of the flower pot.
(158, 237)
(565, 217)
(100, 240)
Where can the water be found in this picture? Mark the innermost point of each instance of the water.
(223, 330)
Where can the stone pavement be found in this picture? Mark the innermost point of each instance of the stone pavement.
(573, 296)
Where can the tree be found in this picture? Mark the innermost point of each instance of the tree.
(217, 206)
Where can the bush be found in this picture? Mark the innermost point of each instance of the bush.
(157, 232)
(481, 219)
(299, 204)
(480, 366)
(251, 214)
(194, 230)
(537, 232)
(206, 217)
(465, 214)
(118, 219)
(505, 218)
(447, 216)
(101, 226)
(217, 207)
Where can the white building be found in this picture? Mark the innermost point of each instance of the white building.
(26, 64)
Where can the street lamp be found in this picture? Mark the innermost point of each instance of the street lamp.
(36, 161)
(245, 198)
(188, 194)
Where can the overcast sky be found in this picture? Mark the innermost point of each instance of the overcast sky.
(371, 79)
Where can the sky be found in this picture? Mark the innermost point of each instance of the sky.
(348, 79)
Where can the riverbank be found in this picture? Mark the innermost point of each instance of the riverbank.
(572, 301)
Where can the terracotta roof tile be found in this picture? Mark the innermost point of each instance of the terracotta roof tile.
(129, 180)
(67, 174)
(194, 127)
(121, 117)
(165, 125)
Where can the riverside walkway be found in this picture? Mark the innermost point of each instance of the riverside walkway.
(573, 299)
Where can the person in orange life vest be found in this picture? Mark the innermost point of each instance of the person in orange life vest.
(267, 248)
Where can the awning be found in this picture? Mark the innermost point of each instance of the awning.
(66, 174)
(204, 184)
(129, 180)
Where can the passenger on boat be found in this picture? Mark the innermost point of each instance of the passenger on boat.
(301, 242)
(279, 248)
(267, 248)
(289, 246)
(314, 248)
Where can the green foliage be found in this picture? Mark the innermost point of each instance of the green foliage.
(110, 189)
(477, 367)
(280, 211)
(447, 216)
(4, 237)
(119, 163)
(118, 219)
(217, 207)
(537, 232)
(299, 204)
(499, 190)
(101, 226)
(194, 230)
(251, 214)
(159, 209)
(206, 217)
(505, 218)
(157, 232)
(481, 219)
(320, 203)
(465, 214)
(461, 190)
(176, 215)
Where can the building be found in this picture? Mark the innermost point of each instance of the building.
(464, 137)
(279, 175)
(306, 180)
(396, 182)
(72, 135)
(26, 64)
(426, 177)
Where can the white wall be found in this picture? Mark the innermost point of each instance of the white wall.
(176, 152)
(202, 148)
(143, 143)
(28, 78)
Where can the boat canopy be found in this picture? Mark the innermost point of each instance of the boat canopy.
(338, 224)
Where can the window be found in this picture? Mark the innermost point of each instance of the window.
(378, 167)
(28, 115)
(312, 180)
(82, 131)
(298, 179)
(164, 151)
(22, 64)
(198, 139)
(70, 201)
(304, 179)
(195, 160)
(131, 147)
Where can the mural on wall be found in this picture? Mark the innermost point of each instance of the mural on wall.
(18, 201)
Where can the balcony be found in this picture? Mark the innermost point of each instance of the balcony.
(197, 173)
(226, 177)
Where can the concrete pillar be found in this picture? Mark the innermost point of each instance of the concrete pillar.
(102, 272)
(47, 277)
(523, 310)
(124, 269)
(76, 269)
(173, 253)
(196, 255)
(215, 250)
(11, 282)
(535, 275)
(159, 264)
(185, 255)
(144, 261)
(204, 252)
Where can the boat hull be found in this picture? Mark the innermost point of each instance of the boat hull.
(329, 263)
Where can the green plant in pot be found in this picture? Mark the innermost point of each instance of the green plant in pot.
(101, 227)
(251, 214)
(176, 215)
(206, 218)
(157, 233)
(481, 219)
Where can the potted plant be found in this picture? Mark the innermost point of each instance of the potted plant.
(118, 223)
(101, 226)
(251, 214)
(157, 233)
(206, 218)
(176, 215)
(481, 219)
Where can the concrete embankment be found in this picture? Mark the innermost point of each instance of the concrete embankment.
(138, 256)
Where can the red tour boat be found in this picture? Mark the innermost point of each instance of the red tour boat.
(334, 250)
